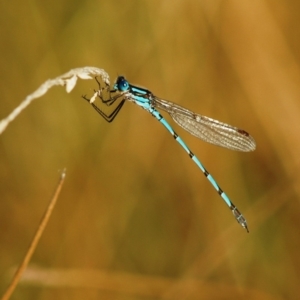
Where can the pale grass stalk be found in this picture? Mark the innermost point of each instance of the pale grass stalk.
(68, 80)
(137, 285)
(36, 239)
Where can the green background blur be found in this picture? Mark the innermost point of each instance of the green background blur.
(133, 203)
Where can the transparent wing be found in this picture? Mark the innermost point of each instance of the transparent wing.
(207, 129)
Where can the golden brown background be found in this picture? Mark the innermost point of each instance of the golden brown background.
(134, 207)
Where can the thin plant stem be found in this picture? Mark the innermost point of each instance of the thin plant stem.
(36, 238)
(68, 80)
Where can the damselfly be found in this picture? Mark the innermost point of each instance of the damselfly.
(202, 127)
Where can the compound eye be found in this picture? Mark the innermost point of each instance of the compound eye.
(122, 84)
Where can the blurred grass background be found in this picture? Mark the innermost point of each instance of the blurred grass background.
(133, 202)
